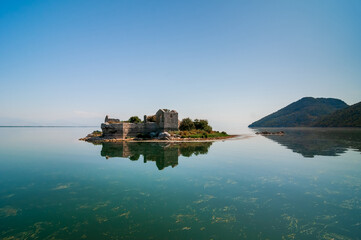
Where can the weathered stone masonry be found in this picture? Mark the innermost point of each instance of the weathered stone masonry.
(166, 120)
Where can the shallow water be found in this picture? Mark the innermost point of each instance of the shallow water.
(304, 185)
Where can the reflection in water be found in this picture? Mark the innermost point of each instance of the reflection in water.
(164, 154)
(310, 142)
(60, 189)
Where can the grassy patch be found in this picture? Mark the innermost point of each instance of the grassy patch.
(96, 133)
(199, 134)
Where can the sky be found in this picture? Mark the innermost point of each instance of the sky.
(71, 62)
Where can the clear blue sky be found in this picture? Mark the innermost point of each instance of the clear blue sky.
(72, 62)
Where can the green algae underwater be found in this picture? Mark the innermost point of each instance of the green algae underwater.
(303, 185)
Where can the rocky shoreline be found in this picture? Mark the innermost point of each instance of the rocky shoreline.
(270, 133)
(99, 139)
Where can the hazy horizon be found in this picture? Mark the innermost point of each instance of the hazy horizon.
(231, 62)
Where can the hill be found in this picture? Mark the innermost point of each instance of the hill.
(302, 113)
(347, 117)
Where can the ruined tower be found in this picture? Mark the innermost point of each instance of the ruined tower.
(167, 120)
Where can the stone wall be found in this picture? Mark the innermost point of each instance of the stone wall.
(170, 121)
(123, 130)
(112, 130)
(133, 129)
(166, 120)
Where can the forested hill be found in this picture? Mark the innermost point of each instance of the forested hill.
(347, 117)
(302, 113)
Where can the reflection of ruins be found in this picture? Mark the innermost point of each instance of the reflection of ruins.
(310, 142)
(164, 154)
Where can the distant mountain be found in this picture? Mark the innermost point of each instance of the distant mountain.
(302, 113)
(347, 117)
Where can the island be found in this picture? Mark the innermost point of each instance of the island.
(163, 126)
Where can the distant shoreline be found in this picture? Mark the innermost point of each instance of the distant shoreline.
(305, 128)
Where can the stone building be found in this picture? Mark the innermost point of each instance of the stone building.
(165, 120)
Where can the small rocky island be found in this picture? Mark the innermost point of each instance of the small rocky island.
(271, 133)
(163, 126)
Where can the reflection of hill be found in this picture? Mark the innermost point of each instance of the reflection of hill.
(164, 154)
(317, 141)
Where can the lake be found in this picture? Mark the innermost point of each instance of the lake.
(303, 185)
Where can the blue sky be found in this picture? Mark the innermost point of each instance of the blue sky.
(232, 62)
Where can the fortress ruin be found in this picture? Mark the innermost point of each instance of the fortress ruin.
(165, 120)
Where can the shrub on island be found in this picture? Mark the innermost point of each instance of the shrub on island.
(199, 134)
(186, 125)
(151, 118)
(134, 119)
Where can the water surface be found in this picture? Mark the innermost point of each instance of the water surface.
(304, 185)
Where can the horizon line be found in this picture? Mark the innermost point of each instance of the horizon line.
(47, 126)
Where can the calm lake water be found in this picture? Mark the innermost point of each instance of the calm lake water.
(303, 185)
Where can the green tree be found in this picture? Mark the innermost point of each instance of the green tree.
(186, 125)
(134, 119)
(208, 129)
(201, 124)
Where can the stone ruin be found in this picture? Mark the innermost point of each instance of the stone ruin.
(165, 120)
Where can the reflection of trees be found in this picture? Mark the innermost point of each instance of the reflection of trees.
(196, 148)
(164, 154)
(318, 141)
(134, 157)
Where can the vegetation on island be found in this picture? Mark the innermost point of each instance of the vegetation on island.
(134, 119)
(94, 134)
(302, 113)
(152, 118)
(199, 128)
(188, 125)
(97, 133)
(199, 134)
